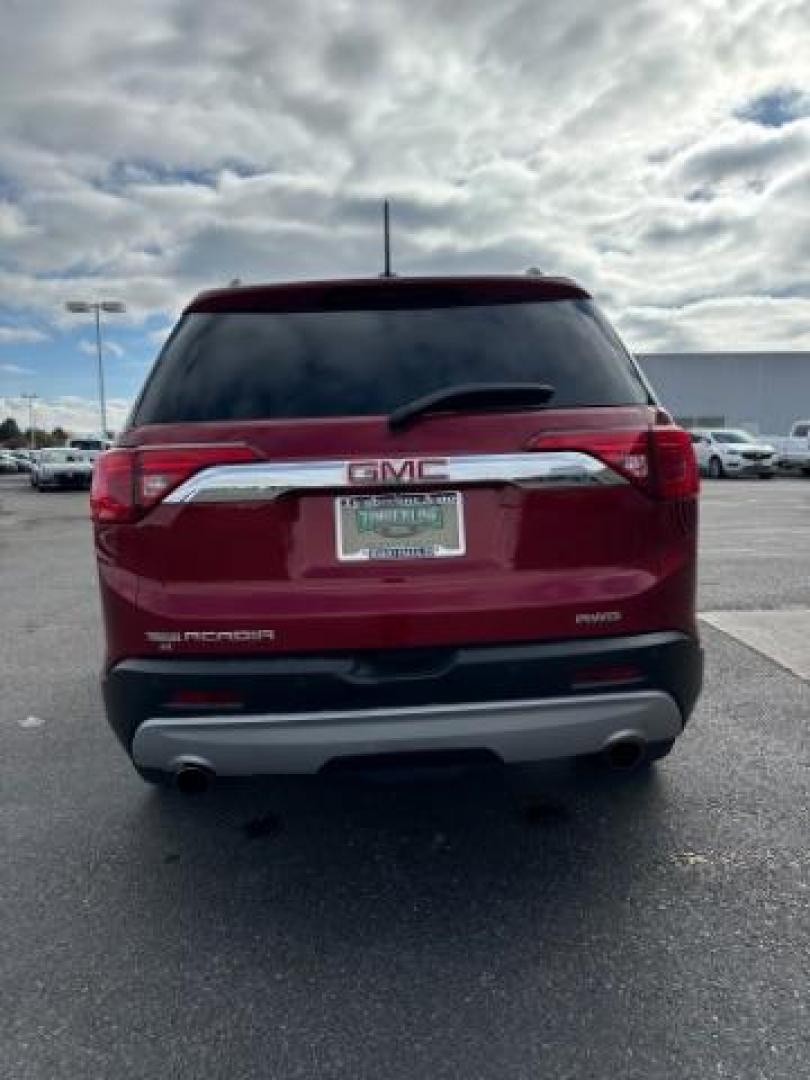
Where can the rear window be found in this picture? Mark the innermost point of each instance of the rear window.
(86, 444)
(283, 365)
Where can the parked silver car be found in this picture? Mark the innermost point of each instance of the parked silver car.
(9, 463)
(62, 468)
(25, 459)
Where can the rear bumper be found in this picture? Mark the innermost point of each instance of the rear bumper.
(513, 731)
(297, 713)
(749, 468)
(61, 481)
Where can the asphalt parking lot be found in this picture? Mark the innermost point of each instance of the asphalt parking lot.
(565, 926)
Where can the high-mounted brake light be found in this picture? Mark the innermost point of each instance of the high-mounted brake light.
(659, 460)
(127, 483)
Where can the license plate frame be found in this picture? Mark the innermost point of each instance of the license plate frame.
(432, 537)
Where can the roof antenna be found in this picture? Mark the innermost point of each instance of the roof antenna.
(387, 239)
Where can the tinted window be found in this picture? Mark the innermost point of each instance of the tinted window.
(801, 430)
(86, 444)
(257, 365)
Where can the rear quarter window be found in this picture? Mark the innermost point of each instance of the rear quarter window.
(312, 364)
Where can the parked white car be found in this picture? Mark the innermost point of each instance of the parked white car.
(24, 459)
(731, 452)
(793, 452)
(9, 463)
(62, 468)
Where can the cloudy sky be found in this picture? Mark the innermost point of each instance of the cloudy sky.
(658, 152)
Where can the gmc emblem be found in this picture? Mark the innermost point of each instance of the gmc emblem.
(398, 471)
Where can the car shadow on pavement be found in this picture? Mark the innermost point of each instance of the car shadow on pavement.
(351, 860)
(304, 928)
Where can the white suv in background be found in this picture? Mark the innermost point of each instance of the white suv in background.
(731, 452)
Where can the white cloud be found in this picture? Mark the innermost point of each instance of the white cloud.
(15, 369)
(74, 414)
(157, 337)
(751, 322)
(21, 335)
(743, 154)
(12, 221)
(109, 348)
(157, 149)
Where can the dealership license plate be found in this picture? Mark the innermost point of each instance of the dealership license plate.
(416, 525)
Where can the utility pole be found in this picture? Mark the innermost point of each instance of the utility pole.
(387, 238)
(79, 307)
(102, 398)
(30, 398)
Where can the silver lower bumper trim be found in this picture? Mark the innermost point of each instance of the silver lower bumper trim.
(515, 731)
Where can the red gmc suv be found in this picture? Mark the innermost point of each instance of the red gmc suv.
(420, 516)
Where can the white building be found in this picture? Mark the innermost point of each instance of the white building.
(762, 392)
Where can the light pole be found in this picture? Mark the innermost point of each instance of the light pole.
(30, 398)
(84, 307)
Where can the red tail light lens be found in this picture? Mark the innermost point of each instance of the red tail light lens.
(659, 460)
(127, 483)
(674, 465)
(112, 489)
(161, 469)
(625, 451)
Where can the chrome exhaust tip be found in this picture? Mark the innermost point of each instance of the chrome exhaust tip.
(193, 779)
(625, 753)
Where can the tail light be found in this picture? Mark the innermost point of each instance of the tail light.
(112, 488)
(660, 460)
(127, 483)
(674, 464)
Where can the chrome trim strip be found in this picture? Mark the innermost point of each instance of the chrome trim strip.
(268, 480)
(524, 730)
